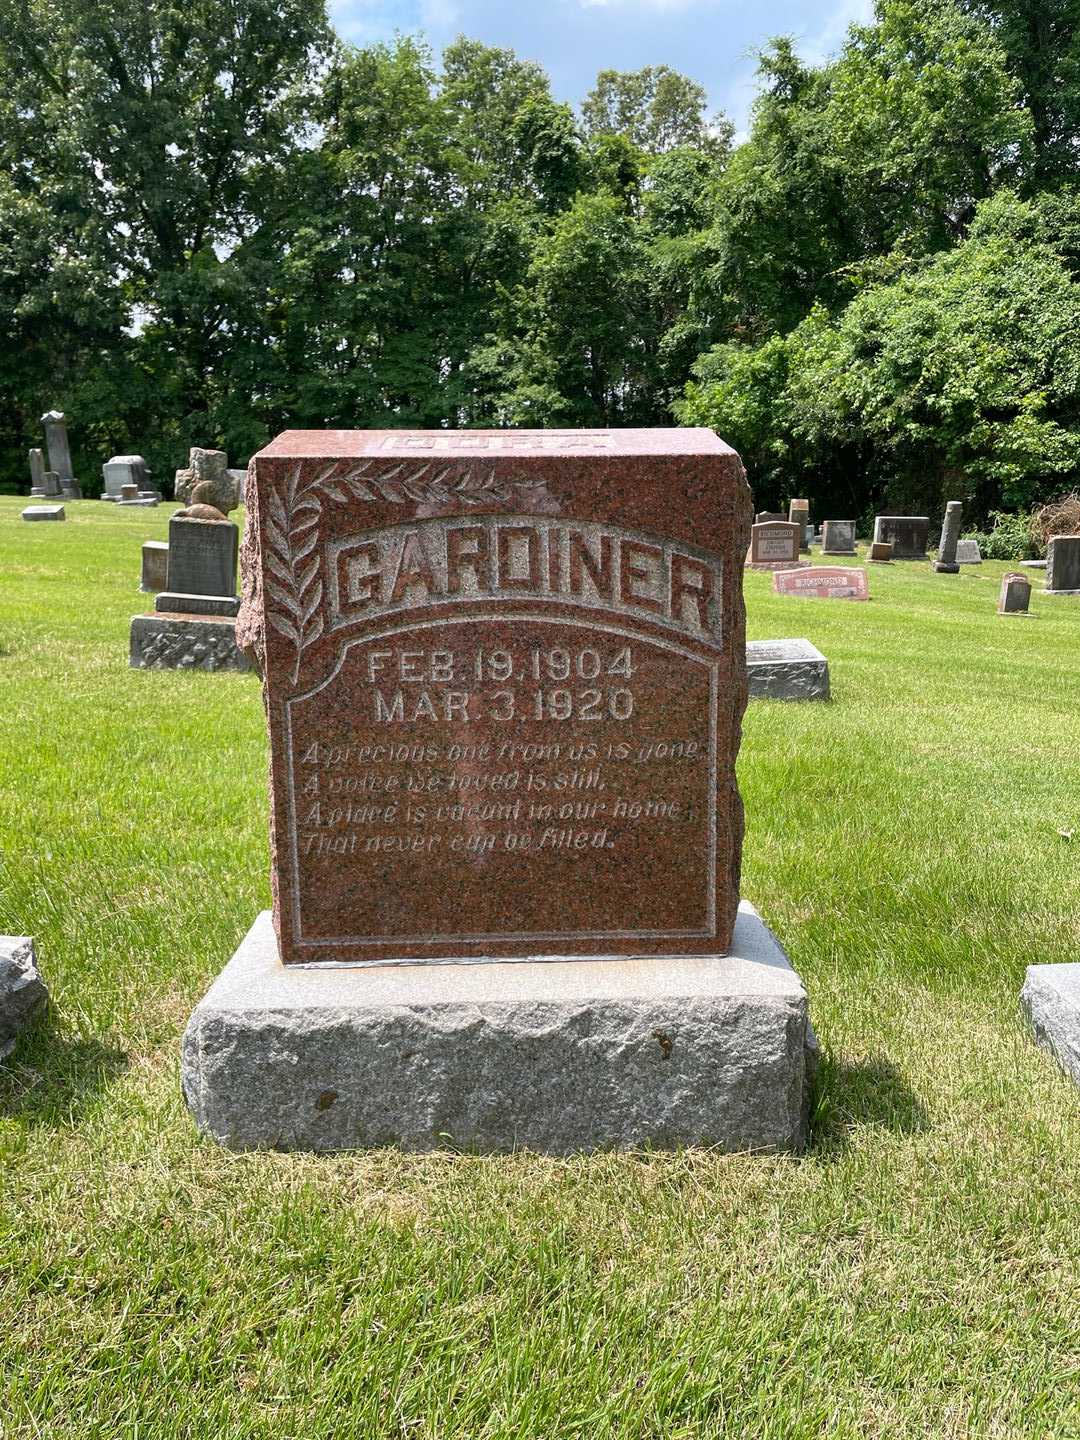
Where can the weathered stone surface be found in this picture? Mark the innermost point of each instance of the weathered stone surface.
(1051, 1002)
(142, 502)
(50, 484)
(504, 678)
(786, 670)
(823, 582)
(1015, 594)
(968, 553)
(37, 470)
(880, 552)
(170, 603)
(769, 517)
(44, 512)
(905, 533)
(1033, 564)
(23, 995)
(155, 560)
(1063, 565)
(774, 545)
(799, 514)
(552, 1055)
(946, 563)
(166, 642)
(209, 467)
(56, 442)
(838, 537)
(202, 556)
(123, 470)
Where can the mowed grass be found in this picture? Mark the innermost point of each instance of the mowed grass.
(915, 843)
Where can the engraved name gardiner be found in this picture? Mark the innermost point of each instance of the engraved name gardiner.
(602, 567)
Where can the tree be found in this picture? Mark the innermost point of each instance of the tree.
(655, 108)
(147, 133)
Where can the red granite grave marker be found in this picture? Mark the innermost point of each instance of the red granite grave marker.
(504, 675)
(823, 582)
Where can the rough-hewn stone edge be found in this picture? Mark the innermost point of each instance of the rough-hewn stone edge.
(1050, 1000)
(554, 1056)
(184, 635)
(23, 993)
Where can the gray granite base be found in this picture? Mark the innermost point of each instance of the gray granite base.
(547, 1054)
(44, 512)
(185, 642)
(786, 670)
(1045, 591)
(23, 995)
(1051, 1001)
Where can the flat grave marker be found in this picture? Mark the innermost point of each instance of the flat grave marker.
(786, 670)
(823, 582)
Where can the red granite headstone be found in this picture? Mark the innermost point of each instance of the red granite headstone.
(823, 582)
(504, 675)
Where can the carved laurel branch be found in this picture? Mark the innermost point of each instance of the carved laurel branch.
(292, 529)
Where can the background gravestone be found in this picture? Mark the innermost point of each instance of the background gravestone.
(946, 563)
(209, 467)
(799, 514)
(823, 582)
(193, 625)
(770, 517)
(968, 552)
(1063, 565)
(37, 472)
(123, 470)
(44, 512)
(1015, 594)
(774, 545)
(786, 670)
(905, 533)
(504, 675)
(155, 561)
(838, 537)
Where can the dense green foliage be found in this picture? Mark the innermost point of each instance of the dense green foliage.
(217, 222)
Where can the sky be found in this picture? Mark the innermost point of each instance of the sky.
(713, 41)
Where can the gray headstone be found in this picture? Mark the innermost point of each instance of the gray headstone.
(123, 470)
(202, 557)
(838, 537)
(56, 442)
(770, 517)
(155, 560)
(129, 492)
(50, 483)
(169, 604)
(945, 564)
(37, 469)
(561, 1057)
(23, 995)
(1063, 565)
(906, 534)
(44, 512)
(1015, 594)
(786, 670)
(1051, 1001)
(180, 642)
(968, 553)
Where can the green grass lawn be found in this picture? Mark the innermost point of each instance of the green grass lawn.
(915, 843)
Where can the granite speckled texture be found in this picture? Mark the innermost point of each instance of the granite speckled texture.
(184, 642)
(1051, 1001)
(786, 670)
(824, 582)
(505, 674)
(554, 1056)
(23, 995)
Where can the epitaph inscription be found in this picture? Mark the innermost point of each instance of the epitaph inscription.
(503, 698)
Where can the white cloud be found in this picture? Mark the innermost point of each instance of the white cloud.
(830, 36)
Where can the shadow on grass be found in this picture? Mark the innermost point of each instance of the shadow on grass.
(51, 1079)
(851, 1094)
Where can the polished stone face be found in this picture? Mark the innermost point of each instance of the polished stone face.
(838, 537)
(1063, 563)
(505, 675)
(823, 582)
